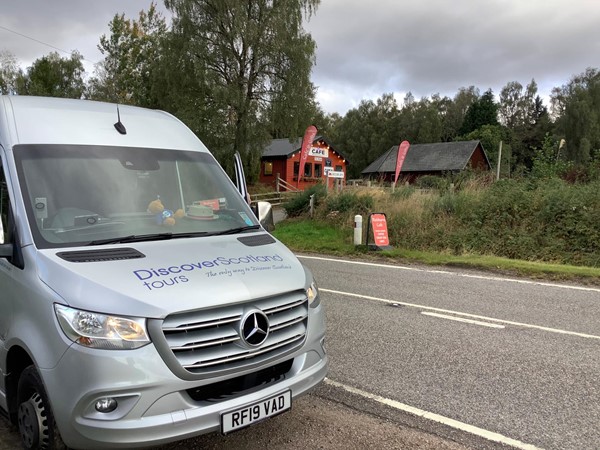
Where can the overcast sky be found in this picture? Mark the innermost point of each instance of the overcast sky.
(365, 49)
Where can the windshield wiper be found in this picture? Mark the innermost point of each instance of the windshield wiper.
(163, 236)
(133, 238)
(191, 234)
(236, 230)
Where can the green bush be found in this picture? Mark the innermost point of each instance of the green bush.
(432, 182)
(402, 192)
(349, 202)
(544, 219)
(300, 203)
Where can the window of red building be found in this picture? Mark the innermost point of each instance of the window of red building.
(318, 170)
(308, 170)
(268, 169)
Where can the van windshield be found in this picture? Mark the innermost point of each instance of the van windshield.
(80, 195)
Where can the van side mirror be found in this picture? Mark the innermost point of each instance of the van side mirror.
(264, 213)
(11, 250)
(1, 232)
(6, 250)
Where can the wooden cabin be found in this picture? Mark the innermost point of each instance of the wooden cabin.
(281, 160)
(429, 159)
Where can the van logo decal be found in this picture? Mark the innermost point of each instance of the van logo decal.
(158, 277)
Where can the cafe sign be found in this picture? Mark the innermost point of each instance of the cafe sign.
(318, 151)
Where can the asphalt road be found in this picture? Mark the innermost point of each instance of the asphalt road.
(527, 369)
(522, 369)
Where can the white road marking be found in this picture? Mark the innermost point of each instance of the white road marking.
(460, 319)
(458, 313)
(457, 274)
(489, 435)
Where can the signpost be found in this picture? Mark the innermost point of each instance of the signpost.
(378, 223)
(335, 173)
(330, 173)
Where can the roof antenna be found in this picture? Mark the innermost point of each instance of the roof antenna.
(119, 126)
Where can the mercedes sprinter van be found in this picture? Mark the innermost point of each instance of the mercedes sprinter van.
(141, 301)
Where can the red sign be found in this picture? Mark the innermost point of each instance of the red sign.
(402, 151)
(309, 137)
(212, 203)
(380, 231)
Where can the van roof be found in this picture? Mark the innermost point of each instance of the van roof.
(44, 120)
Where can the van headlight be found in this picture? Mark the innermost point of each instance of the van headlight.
(100, 330)
(313, 295)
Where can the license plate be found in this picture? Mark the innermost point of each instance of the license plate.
(255, 412)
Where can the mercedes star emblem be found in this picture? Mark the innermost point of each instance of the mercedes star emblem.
(255, 328)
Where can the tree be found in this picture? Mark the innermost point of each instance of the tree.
(9, 73)
(546, 163)
(512, 105)
(455, 112)
(367, 131)
(253, 60)
(490, 137)
(519, 108)
(53, 76)
(483, 111)
(182, 86)
(577, 107)
(429, 116)
(522, 111)
(131, 53)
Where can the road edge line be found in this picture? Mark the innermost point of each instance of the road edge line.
(458, 313)
(452, 423)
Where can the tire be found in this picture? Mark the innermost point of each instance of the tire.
(35, 419)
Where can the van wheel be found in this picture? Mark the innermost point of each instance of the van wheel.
(35, 419)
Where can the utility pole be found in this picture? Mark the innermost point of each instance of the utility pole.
(499, 160)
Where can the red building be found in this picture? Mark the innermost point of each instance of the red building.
(281, 159)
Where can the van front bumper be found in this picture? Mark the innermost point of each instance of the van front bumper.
(154, 405)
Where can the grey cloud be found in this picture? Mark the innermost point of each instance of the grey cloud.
(367, 48)
(439, 46)
(66, 24)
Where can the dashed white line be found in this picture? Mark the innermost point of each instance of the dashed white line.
(457, 274)
(461, 319)
(458, 313)
(489, 435)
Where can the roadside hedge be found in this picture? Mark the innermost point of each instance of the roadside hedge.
(538, 220)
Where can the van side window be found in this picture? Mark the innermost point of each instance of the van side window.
(4, 205)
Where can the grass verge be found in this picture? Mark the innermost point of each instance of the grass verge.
(320, 237)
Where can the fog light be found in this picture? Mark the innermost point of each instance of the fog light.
(106, 405)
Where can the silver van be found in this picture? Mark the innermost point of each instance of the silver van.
(141, 301)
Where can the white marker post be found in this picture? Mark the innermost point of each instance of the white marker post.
(358, 229)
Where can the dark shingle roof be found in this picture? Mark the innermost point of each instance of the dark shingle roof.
(283, 147)
(444, 156)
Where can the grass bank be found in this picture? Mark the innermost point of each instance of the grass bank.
(538, 227)
(319, 237)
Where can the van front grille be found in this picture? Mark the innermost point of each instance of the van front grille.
(210, 340)
(242, 385)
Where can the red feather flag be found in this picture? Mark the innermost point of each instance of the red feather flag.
(402, 151)
(309, 137)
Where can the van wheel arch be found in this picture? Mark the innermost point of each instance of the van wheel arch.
(35, 420)
(16, 362)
